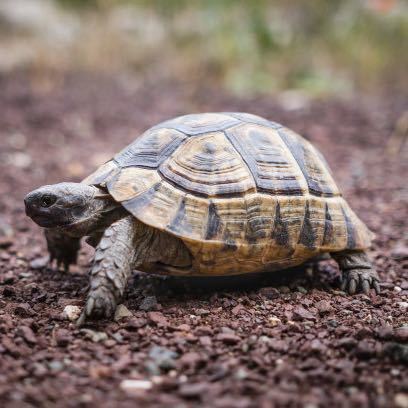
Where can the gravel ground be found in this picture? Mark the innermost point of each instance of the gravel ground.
(287, 339)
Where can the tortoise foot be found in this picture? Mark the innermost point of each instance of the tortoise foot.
(101, 302)
(62, 249)
(360, 280)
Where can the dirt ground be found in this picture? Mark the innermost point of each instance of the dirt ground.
(291, 339)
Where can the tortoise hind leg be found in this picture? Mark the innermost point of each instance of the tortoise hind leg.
(358, 272)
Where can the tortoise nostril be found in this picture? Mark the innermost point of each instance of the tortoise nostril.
(28, 206)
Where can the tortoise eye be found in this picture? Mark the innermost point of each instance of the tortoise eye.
(47, 200)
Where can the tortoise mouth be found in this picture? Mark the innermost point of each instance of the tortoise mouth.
(78, 228)
(46, 221)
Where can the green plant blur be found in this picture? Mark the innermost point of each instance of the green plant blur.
(319, 46)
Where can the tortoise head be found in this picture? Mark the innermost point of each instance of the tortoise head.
(76, 208)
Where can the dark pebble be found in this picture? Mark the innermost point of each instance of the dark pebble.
(148, 303)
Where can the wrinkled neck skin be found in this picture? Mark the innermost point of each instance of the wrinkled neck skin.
(100, 214)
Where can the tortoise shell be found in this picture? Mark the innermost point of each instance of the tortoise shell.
(243, 193)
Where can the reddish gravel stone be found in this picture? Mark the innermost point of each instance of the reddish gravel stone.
(136, 323)
(10, 346)
(63, 337)
(6, 242)
(365, 349)
(7, 278)
(9, 291)
(347, 342)
(278, 345)
(400, 252)
(190, 359)
(300, 313)
(205, 341)
(228, 338)
(269, 293)
(317, 346)
(384, 332)
(184, 327)
(24, 310)
(27, 334)
(401, 333)
(193, 390)
(324, 307)
(157, 318)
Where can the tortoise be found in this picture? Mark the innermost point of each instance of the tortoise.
(204, 194)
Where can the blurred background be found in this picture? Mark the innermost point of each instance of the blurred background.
(293, 49)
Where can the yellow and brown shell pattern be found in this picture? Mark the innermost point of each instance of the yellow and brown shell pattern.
(243, 193)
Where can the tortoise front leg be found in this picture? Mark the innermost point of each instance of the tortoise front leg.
(124, 246)
(62, 248)
(358, 272)
(112, 266)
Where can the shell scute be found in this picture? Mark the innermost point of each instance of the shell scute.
(102, 174)
(196, 124)
(251, 118)
(131, 182)
(157, 206)
(209, 166)
(151, 149)
(315, 170)
(271, 163)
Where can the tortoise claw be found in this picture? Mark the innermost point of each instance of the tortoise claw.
(81, 319)
(352, 286)
(101, 302)
(89, 306)
(343, 286)
(365, 285)
(363, 280)
(376, 286)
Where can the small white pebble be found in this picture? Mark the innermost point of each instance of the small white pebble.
(274, 321)
(20, 159)
(71, 312)
(183, 379)
(264, 339)
(403, 305)
(156, 379)
(401, 400)
(397, 289)
(134, 386)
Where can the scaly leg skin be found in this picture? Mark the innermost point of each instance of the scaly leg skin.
(358, 272)
(62, 248)
(113, 264)
(124, 246)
